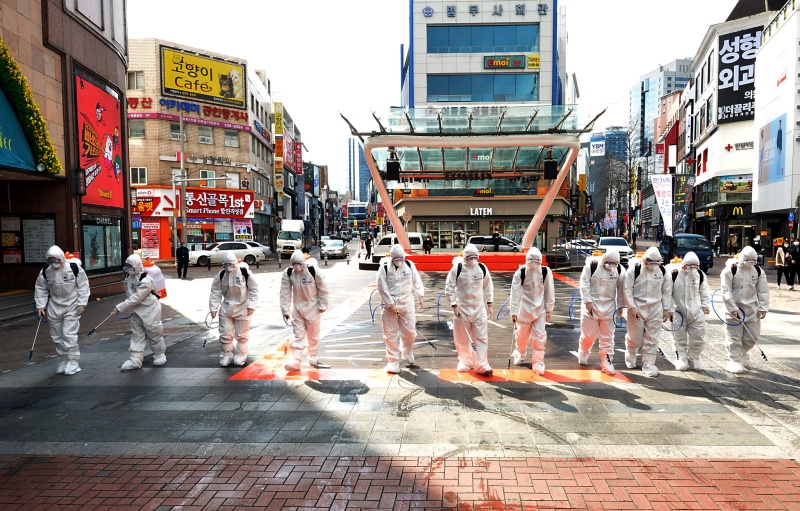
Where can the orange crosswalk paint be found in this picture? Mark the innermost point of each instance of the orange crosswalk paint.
(526, 375)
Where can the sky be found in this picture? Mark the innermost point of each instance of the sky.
(326, 57)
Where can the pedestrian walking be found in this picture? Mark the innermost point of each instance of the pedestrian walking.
(780, 263)
(182, 259)
(602, 293)
(401, 289)
(234, 293)
(427, 245)
(368, 246)
(691, 299)
(793, 262)
(61, 294)
(144, 309)
(496, 241)
(531, 306)
(304, 297)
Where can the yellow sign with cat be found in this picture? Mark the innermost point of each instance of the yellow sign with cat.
(191, 76)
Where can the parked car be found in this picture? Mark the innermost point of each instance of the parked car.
(486, 243)
(333, 248)
(385, 244)
(346, 236)
(214, 253)
(691, 243)
(264, 248)
(616, 244)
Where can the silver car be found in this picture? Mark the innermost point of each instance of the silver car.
(213, 253)
(333, 248)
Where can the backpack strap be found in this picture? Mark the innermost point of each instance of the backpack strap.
(312, 271)
(386, 266)
(636, 271)
(245, 274)
(734, 267)
(458, 269)
(75, 269)
(289, 272)
(674, 275)
(593, 266)
(522, 275)
(544, 273)
(702, 278)
(483, 267)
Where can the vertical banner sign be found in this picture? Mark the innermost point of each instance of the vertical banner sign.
(288, 154)
(613, 221)
(150, 240)
(737, 72)
(683, 196)
(660, 168)
(298, 156)
(279, 118)
(100, 145)
(662, 188)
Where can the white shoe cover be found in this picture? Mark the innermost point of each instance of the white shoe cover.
(61, 367)
(746, 361)
(313, 361)
(408, 357)
(538, 368)
(607, 367)
(630, 361)
(292, 365)
(485, 371)
(160, 360)
(681, 364)
(72, 367)
(240, 359)
(463, 368)
(518, 359)
(734, 367)
(392, 367)
(650, 370)
(130, 365)
(695, 364)
(583, 357)
(225, 359)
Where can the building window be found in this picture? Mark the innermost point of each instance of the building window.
(136, 128)
(175, 131)
(231, 138)
(135, 80)
(481, 88)
(138, 175)
(483, 38)
(209, 176)
(591, 186)
(102, 241)
(205, 135)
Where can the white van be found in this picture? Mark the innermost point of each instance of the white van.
(385, 244)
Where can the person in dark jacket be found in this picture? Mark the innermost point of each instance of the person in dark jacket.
(182, 257)
(793, 262)
(368, 246)
(496, 241)
(427, 245)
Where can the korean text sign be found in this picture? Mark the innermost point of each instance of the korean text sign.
(203, 78)
(100, 145)
(737, 72)
(662, 189)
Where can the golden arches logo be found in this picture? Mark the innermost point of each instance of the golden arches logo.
(738, 210)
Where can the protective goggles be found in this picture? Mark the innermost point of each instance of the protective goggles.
(298, 266)
(53, 260)
(692, 266)
(652, 261)
(228, 266)
(471, 257)
(610, 264)
(127, 267)
(534, 261)
(398, 259)
(750, 261)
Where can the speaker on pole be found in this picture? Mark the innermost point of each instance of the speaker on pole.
(392, 170)
(550, 169)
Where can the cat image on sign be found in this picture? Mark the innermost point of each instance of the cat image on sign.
(236, 81)
(225, 86)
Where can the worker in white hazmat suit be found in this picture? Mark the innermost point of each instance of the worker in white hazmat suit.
(691, 298)
(61, 294)
(470, 290)
(143, 307)
(744, 286)
(648, 293)
(532, 301)
(602, 293)
(234, 292)
(400, 287)
(304, 297)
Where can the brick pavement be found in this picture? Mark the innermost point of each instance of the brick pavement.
(397, 483)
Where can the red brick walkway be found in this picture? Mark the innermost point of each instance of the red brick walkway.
(397, 483)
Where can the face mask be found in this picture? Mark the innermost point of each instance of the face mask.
(785, 245)
(749, 262)
(471, 260)
(229, 266)
(397, 261)
(796, 243)
(55, 265)
(130, 270)
(691, 269)
(297, 266)
(652, 263)
(610, 265)
(534, 263)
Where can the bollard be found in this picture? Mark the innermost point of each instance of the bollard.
(279, 258)
(348, 256)
(209, 264)
(326, 259)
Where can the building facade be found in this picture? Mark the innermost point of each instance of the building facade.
(64, 149)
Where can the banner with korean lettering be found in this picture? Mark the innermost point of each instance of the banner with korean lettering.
(662, 189)
(736, 78)
(189, 75)
(150, 240)
(207, 203)
(684, 185)
(288, 153)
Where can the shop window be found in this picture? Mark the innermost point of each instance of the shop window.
(138, 175)
(102, 242)
(175, 131)
(136, 128)
(135, 80)
(231, 138)
(209, 176)
(205, 135)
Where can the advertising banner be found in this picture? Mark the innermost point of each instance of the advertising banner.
(659, 164)
(100, 148)
(771, 156)
(298, 157)
(597, 147)
(150, 240)
(159, 202)
(736, 184)
(505, 62)
(288, 154)
(242, 230)
(662, 189)
(684, 184)
(279, 118)
(188, 75)
(737, 72)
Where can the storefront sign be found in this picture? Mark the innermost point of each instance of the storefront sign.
(100, 146)
(279, 180)
(261, 129)
(147, 103)
(742, 146)
(534, 61)
(737, 72)
(288, 154)
(150, 240)
(508, 62)
(243, 230)
(208, 79)
(207, 110)
(480, 211)
(214, 203)
(298, 157)
(278, 147)
(278, 119)
(486, 192)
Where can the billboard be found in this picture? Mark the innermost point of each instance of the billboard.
(210, 203)
(100, 150)
(736, 75)
(742, 183)
(597, 146)
(189, 75)
(771, 156)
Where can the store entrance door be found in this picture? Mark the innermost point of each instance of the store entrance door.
(744, 235)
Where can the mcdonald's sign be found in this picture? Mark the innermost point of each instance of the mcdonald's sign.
(738, 210)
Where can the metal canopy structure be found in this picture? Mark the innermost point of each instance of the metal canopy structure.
(441, 148)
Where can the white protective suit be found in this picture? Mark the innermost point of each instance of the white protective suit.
(236, 297)
(400, 287)
(143, 307)
(305, 296)
(470, 293)
(531, 305)
(602, 293)
(649, 300)
(692, 300)
(62, 296)
(746, 290)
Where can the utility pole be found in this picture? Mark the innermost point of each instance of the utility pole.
(183, 184)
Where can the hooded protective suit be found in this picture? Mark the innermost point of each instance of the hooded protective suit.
(236, 297)
(649, 300)
(746, 290)
(470, 290)
(531, 304)
(62, 296)
(400, 287)
(602, 292)
(305, 296)
(145, 311)
(692, 299)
